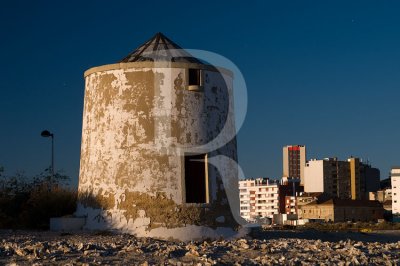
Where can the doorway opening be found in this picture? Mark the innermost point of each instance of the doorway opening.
(196, 178)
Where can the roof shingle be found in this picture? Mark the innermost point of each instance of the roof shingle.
(160, 49)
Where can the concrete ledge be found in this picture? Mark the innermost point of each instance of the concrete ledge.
(67, 223)
(135, 65)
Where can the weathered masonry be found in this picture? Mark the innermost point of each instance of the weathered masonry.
(140, 169)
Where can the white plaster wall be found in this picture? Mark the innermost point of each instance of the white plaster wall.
(99, 220)
(106, 146)
(314, 176)
(118, 156)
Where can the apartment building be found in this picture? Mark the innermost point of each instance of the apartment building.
(381, 195)
(259, 198)
(290, 205)
(350, 179)
(294, 160)
(395, 178)
(288, 189)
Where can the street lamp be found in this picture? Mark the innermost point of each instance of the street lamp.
(46, 134)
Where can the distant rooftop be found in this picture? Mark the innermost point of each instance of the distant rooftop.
(160, 49)
(310, 194)
(348, 203)
(295, 145)
(260, 181)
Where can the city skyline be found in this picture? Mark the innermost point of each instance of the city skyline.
(322, 75)
(308, 159)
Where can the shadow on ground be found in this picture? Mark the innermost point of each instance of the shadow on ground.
(387, 236)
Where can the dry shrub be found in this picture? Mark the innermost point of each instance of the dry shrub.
(46, 202)
(29, 203)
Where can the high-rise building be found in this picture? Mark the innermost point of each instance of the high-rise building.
(350, 179)
(372, 178)
(328, 175)
(363, 178)
(259, 198)
(395, 176)
(355, 178)
(294, 161)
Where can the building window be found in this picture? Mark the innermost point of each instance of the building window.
(196, 183)
(194, 77)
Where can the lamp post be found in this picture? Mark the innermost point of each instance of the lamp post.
(46, 134)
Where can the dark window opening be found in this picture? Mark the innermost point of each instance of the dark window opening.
(195, 179)
(194, 77)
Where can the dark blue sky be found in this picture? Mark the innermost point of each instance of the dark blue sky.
(321, 73)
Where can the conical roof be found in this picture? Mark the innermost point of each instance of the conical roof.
(160, 48)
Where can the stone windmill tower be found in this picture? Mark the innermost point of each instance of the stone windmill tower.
(144, 169)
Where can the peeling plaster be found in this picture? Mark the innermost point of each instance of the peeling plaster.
(129, 175)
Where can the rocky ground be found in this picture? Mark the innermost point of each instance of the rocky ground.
(261, 247)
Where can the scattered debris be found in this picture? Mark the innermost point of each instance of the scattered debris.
(40, 248)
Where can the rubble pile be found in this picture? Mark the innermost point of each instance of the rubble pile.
(43, 248)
